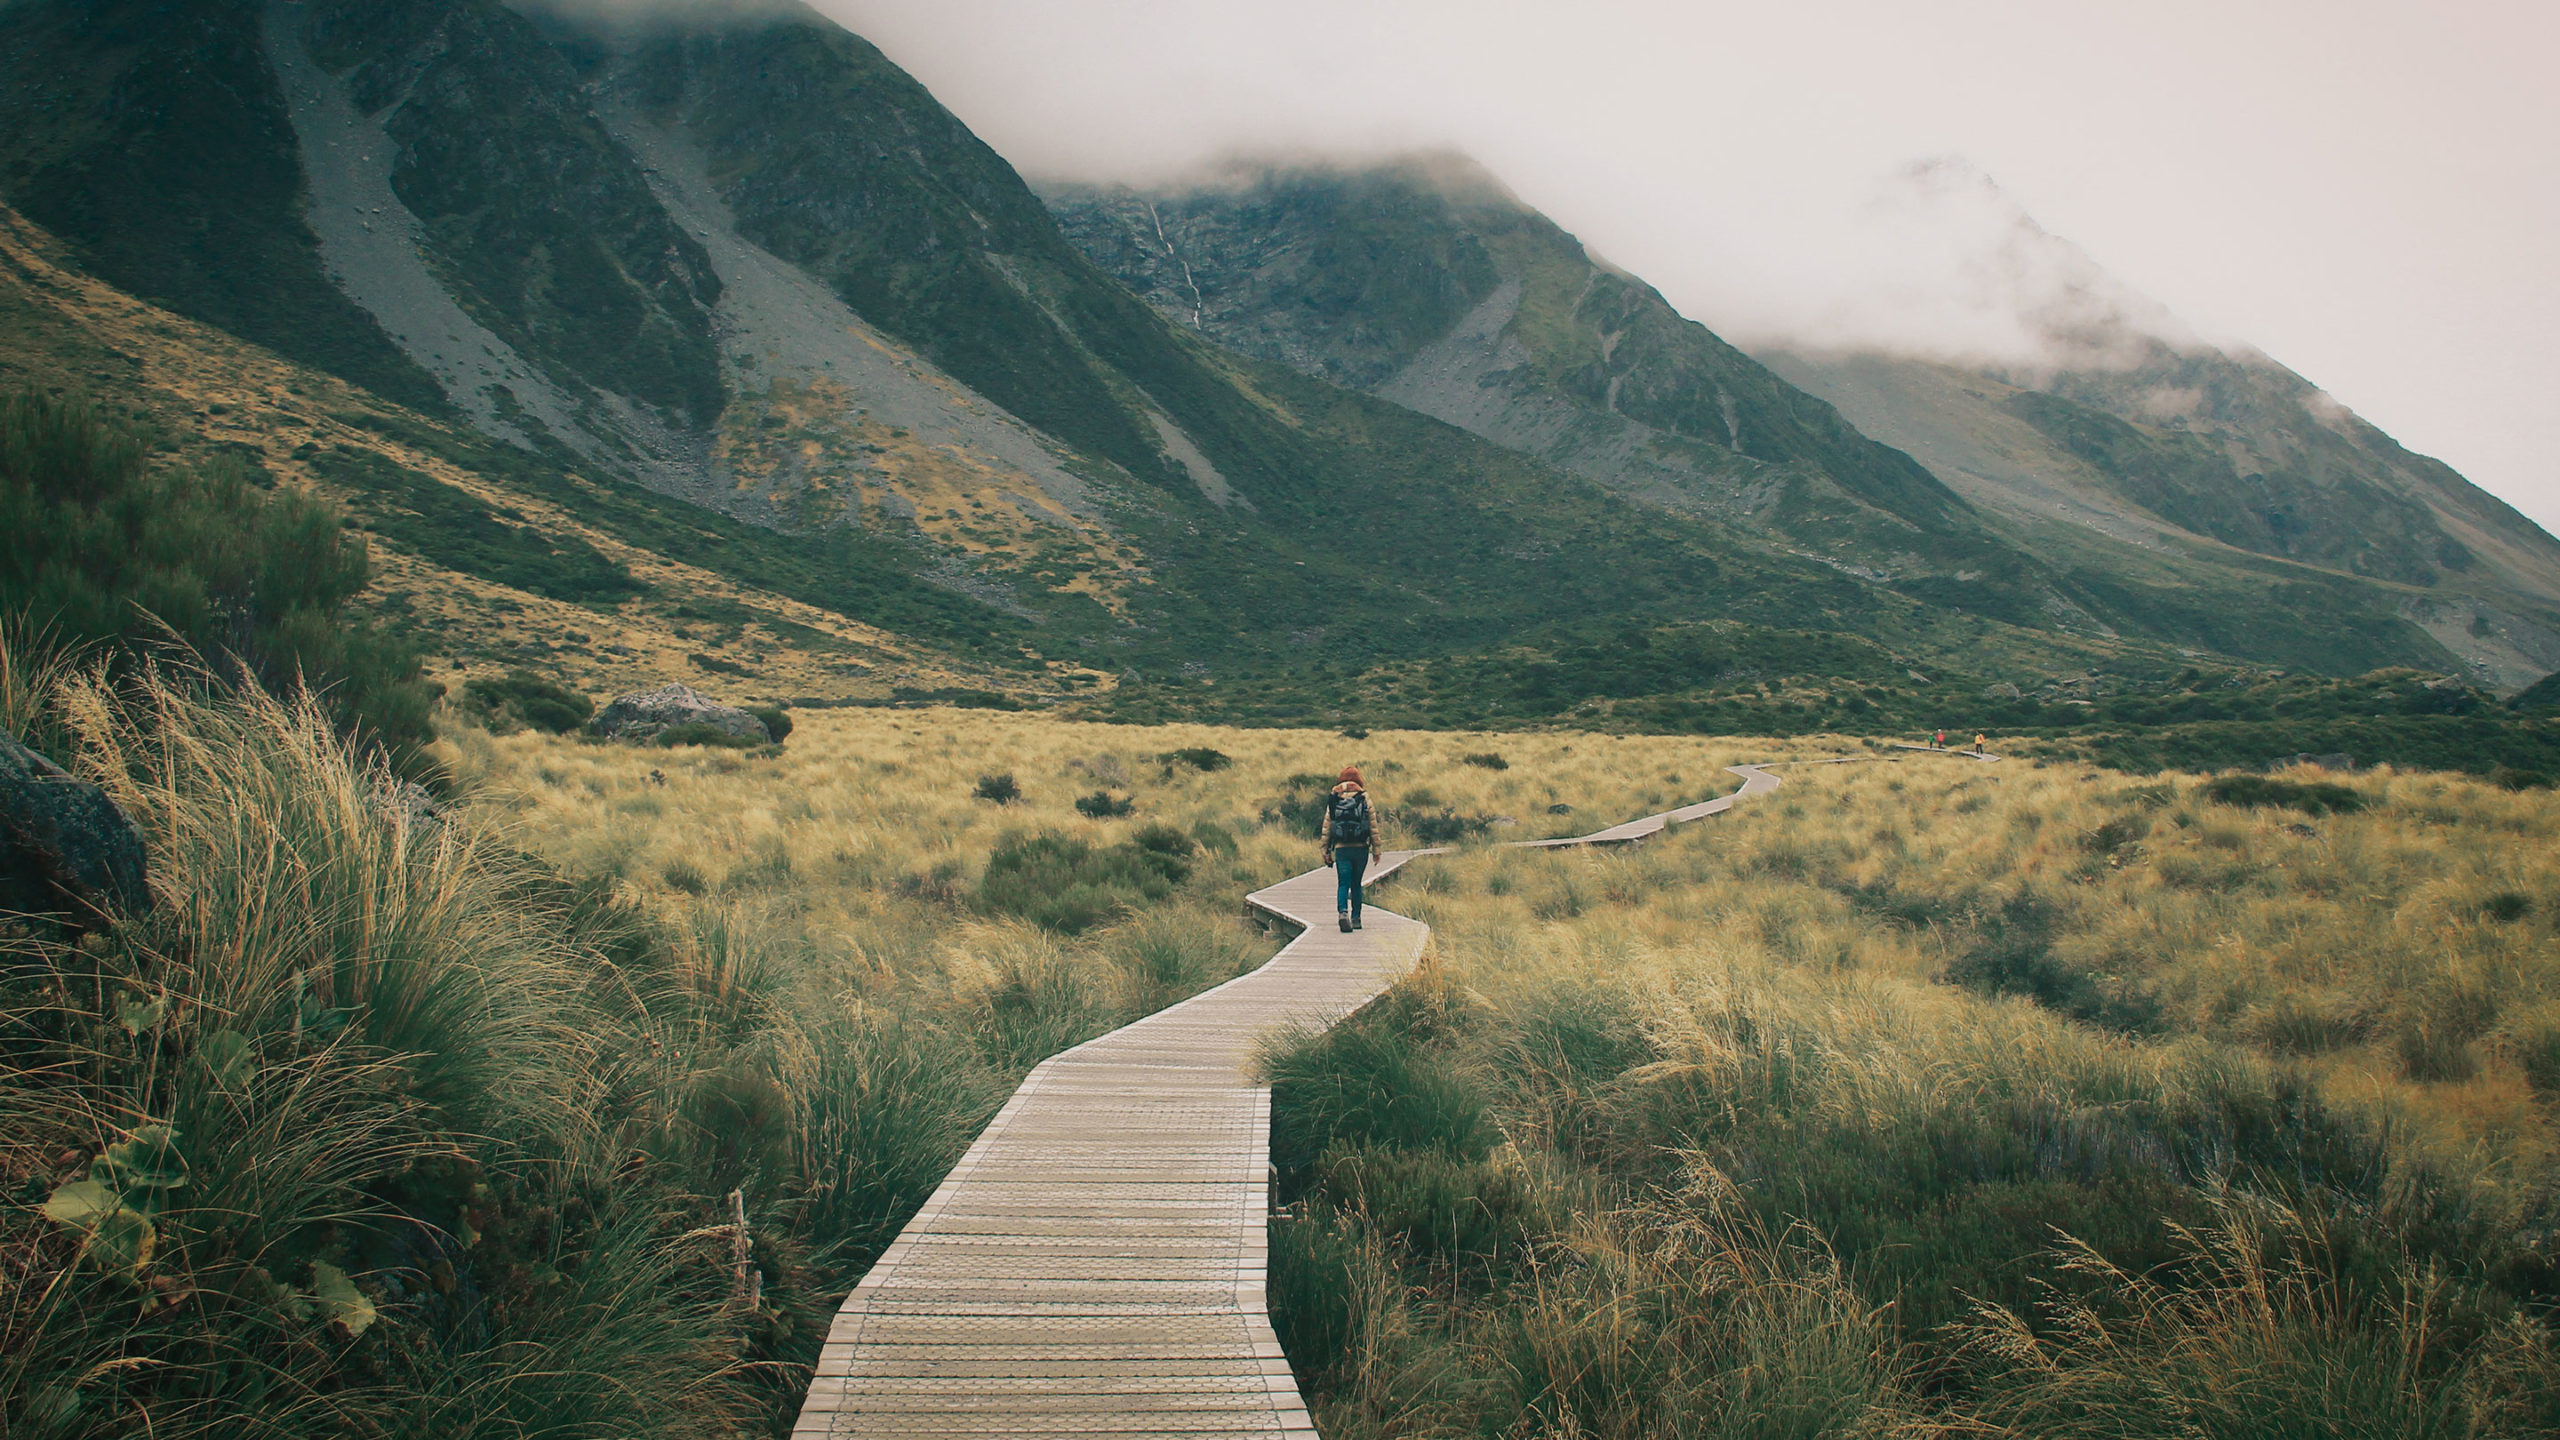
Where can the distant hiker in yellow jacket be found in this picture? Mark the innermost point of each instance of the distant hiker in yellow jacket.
(1350, 830)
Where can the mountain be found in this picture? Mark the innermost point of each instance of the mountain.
(751, 266)
(1425, 281)
(2118, 419)
(710, 336)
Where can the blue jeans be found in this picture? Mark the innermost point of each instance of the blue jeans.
(1349, 864)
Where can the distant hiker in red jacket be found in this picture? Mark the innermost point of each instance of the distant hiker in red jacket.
(1350, 830)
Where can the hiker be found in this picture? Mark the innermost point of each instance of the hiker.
(1978, 742)
(1942, 740)
(1349, 827)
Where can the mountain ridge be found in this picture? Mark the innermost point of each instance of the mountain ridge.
(2245, 464)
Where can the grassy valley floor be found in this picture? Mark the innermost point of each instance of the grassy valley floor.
(1922, 1096)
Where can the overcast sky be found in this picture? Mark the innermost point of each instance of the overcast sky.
(2368, 190)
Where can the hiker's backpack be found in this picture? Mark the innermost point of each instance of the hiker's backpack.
(1350, 816)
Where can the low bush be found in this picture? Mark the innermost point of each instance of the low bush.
(1487, 760)
(1440, 827)
(2252, 792)
(1068, 886)
(1372, 1082)
(961, 698)
(1103, 805)
(98, 547)
(777, 721)
(1200, 758)
(1301, 805)
(1000, 789)
(524, 698)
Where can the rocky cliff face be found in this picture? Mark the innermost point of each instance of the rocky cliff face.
(2171, 464)
(1426, 282)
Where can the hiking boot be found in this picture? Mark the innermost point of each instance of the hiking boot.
(1343, 918)
(1355, 922)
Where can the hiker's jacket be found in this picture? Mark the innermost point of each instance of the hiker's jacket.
(1350, 787)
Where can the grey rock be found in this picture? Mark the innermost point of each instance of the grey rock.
(643, 715)
(2002, 691)
(406, 802)
(65, 849)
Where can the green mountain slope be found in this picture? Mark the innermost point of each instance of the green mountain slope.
(2128, 426)
(2156, 490)
(150, 135)
(1424, 281)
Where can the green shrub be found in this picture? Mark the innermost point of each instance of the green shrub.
(1448, 1210)
(2506, 907)
(1372, 1083)
(1199, 757)
(525, 698)
(1440, 827)
(1337, 1301)
(777, 721)
(1103, 805)
(1068, 886)
(2537, 1046)
(1487, 760)
(959, 698)
(460, 531)
(2261, 791)
(1000, 789)
(99, 547)
(1301, 805)
(2012, 954)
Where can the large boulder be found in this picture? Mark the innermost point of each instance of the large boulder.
(645, 714)
(65, 849)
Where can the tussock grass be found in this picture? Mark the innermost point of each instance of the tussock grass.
(441, 1116)
(1929, 1097)
(1922, 1097)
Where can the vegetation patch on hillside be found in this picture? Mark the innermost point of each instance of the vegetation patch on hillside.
(205, 562)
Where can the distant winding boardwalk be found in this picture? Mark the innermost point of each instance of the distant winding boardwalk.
(1094, 1264)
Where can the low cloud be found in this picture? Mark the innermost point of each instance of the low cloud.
(1938, 261)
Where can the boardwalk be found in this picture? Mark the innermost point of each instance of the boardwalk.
(1094, 1264)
